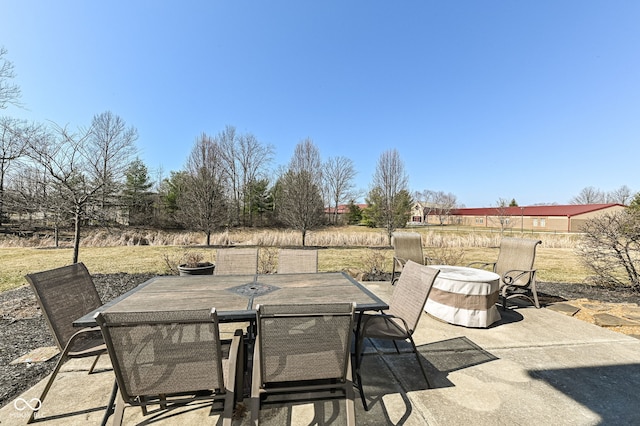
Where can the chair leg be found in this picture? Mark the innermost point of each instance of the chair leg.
(119, 411)
(255, 386)
(45, 391)
(349, 397)
(95, 361)
(229, 405)
(358, 358)
(110, 408)
(503, 297)
(424, 371)
(535, 294)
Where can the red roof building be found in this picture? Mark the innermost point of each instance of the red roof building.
(560, 218)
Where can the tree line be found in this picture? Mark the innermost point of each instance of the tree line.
(61, 178)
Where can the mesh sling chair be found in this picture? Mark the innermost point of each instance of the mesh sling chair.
(64, 295)
(236, 261)
(292, 261)
(170, 357)
(515, 267)
(301, 349)
(401, 319)
(406, 246)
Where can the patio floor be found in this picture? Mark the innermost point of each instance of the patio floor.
(536, 366)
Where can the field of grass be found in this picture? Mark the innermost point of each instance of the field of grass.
(354, 248)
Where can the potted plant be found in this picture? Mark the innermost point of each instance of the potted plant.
(193, 263)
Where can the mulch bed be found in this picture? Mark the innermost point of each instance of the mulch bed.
(23, 327)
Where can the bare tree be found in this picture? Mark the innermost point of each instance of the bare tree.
(112, 144)
(245, 161)
(622, 195)
(227, 141)
(9, 92)
(73, 171)
(253, 158)
(589, 195)
(390, 183)
(12, 147)
(611, 248)
(436, 203)
(502, 214)
(202, 201)
(339, 173)
(443, 204)
(39, 193)
(300, 198)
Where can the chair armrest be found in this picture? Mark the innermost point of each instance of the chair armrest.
(482, 265)
(399, 261)
(391, 316)
(511, 277)
(70, 349)
(432, 261)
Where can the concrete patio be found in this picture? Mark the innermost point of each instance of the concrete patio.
(536, 366)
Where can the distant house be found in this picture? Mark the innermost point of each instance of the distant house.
(564, 218)
(420, 212)
(342, 212)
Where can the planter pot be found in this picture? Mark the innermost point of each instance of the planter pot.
(202, 269)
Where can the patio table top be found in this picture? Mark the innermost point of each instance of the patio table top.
(235, 297)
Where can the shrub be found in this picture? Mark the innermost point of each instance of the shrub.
(610, 247)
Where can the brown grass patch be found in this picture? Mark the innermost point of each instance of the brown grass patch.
(342, 248)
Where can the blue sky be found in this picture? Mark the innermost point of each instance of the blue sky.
(532, 100)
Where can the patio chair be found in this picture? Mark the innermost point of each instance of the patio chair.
(169, 358)
(515, 267)
(64, 295)
(401, 319)
(236, 261)
(303, 349)
(406, 246)
(292, 261)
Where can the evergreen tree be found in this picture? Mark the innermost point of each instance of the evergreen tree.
(136, 194)
(354, 214)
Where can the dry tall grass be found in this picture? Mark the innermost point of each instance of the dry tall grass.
(344, 248)
(347, 236)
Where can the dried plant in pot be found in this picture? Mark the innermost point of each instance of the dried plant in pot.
(193, 263)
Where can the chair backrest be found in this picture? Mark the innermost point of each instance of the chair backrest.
(304, 341)
(163, 352)
(516, 254)
(64, 295)
(408, 246)
(236, 261)
(411, 292)
(291, 261)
